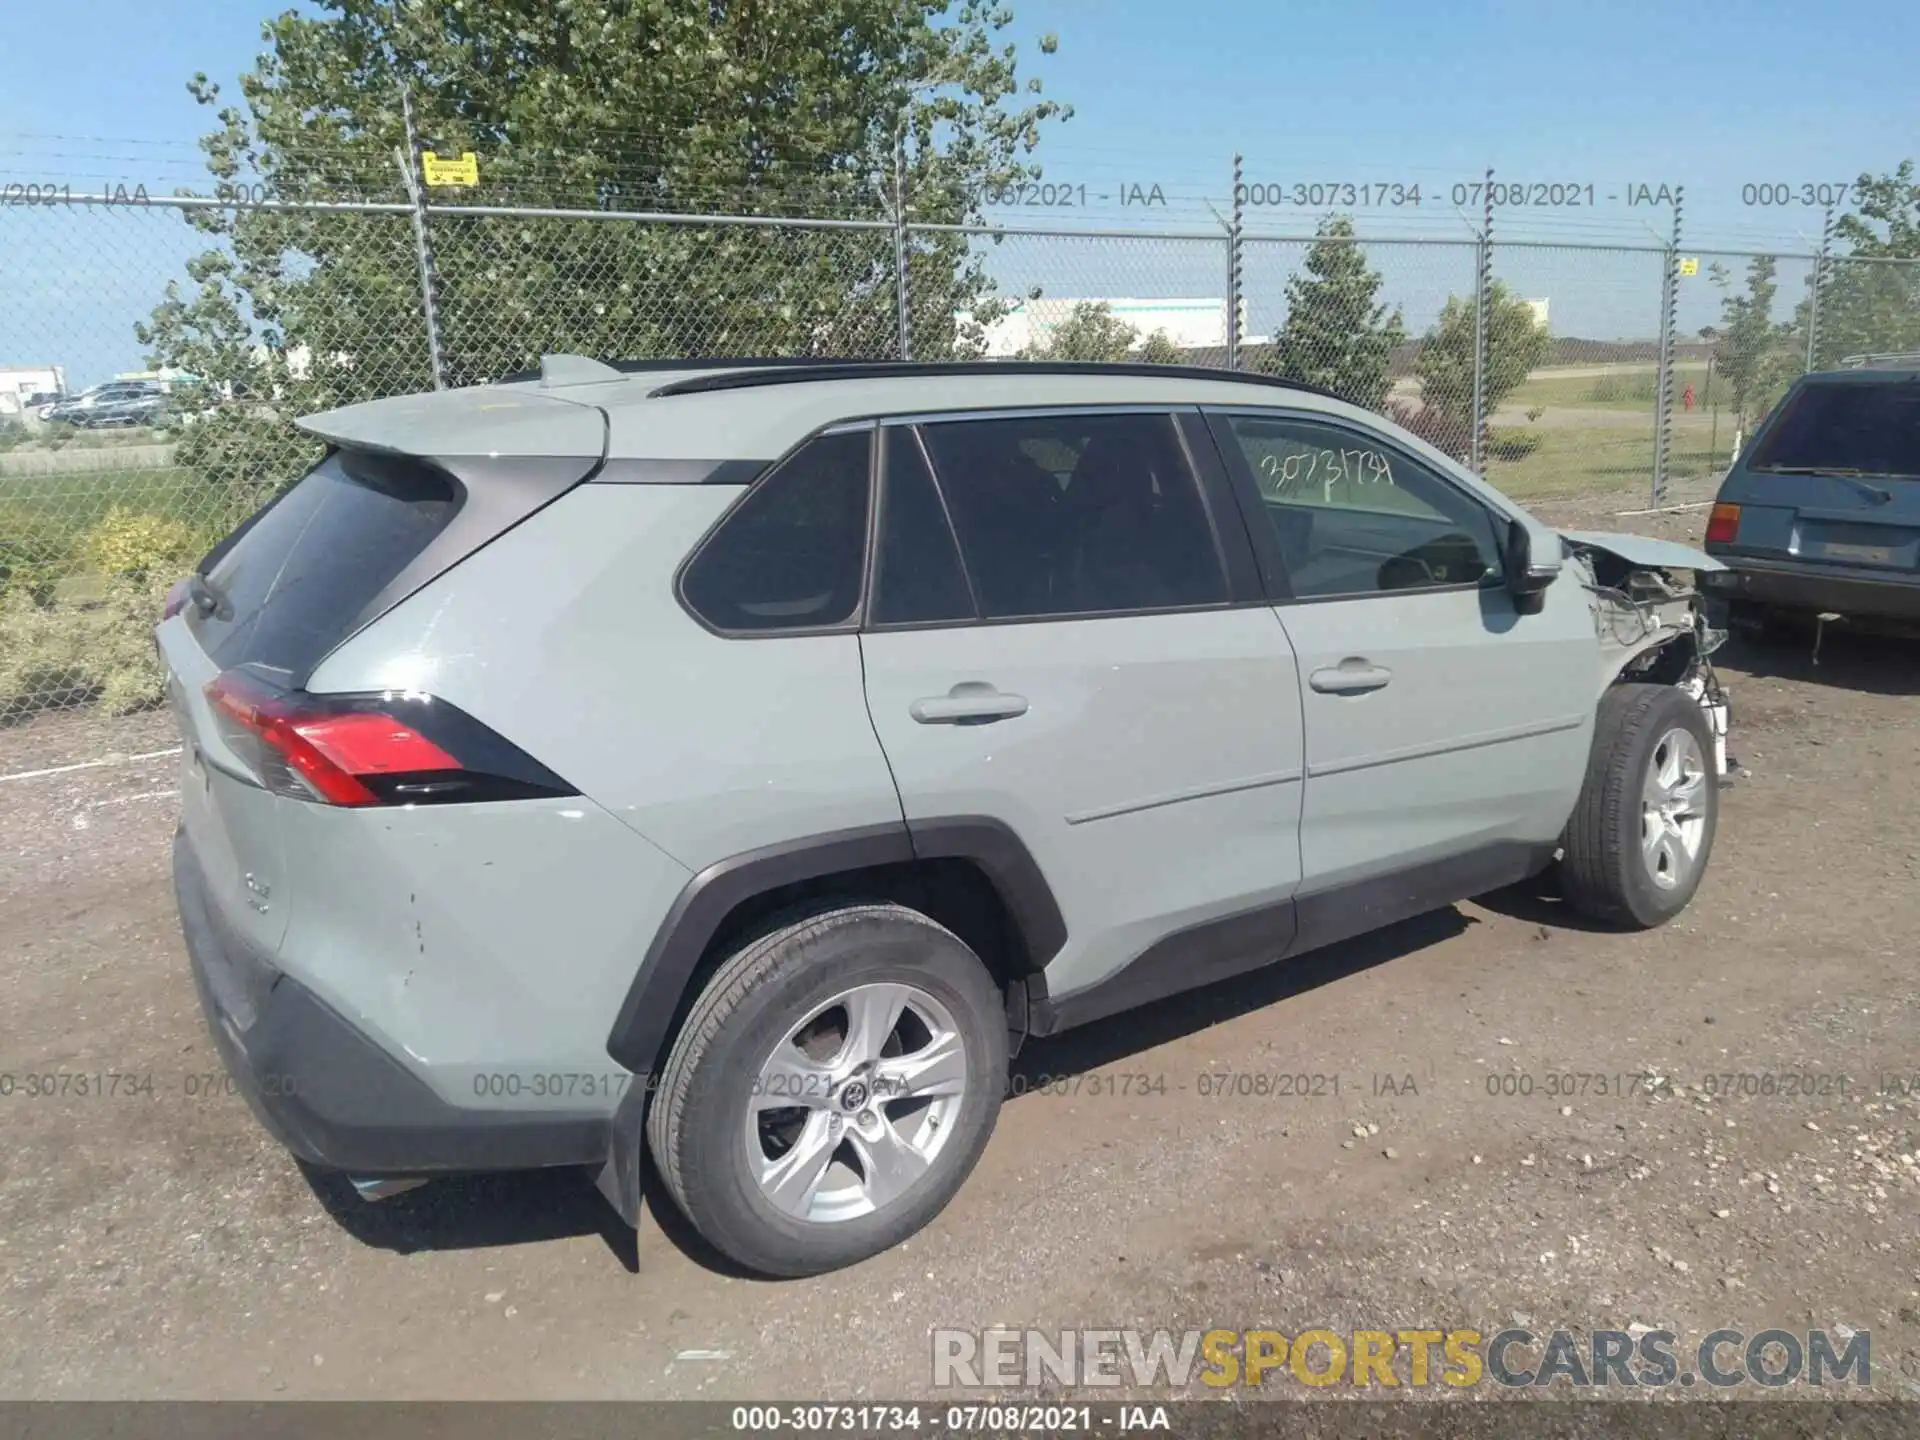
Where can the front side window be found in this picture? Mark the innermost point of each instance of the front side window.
(1354, 516)
(790, 556)
(1077, 514)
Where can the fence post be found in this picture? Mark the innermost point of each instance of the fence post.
(1234, 262)
(902, 294)
(1482, 326)
(1819, 281)
(1663, 383)
(422, 248)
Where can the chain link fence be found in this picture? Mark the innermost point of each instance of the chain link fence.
(1546, 365)
(1586, 419)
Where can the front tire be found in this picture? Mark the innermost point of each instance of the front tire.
(1638, 842)
(833, 1086)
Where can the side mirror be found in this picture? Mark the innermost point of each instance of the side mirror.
(1528, 574)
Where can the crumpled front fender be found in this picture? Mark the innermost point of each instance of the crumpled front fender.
(1643, 550)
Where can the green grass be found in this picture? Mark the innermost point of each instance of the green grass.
(1628, 387)
(71, 503)
(1594, 462)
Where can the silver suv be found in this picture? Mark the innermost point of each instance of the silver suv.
(734, 762)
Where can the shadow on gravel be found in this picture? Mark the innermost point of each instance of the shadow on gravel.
(1538, 901)
(1104, 1041)
(1849, 660)
(470, 1212)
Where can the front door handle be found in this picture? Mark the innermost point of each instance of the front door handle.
(1354, 675)
(969, 703)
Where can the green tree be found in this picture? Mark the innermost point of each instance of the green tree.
(1755, 354)
(1515, 344)
(1337, 335)
(1095, 333)
(1870, 298)
(1091, 331)
(1160, 348)
(661, 105)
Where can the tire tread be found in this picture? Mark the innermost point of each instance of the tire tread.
(1601, 833)
(785, 945)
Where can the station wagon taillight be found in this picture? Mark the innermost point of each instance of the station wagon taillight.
(387, 748)
(1723, 524)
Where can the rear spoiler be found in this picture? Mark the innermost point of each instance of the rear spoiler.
(494, 421)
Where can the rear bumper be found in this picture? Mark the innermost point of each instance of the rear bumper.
(1797, 585)
(328, 1092)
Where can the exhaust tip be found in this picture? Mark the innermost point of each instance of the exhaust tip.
(384, 1189)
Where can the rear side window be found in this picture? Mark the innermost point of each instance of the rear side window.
(1077, 514)
(1864, 427)
(297, 579)
(792, 554)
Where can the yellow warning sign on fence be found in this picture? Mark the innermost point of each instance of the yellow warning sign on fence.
(444, 170)
(1689, 264)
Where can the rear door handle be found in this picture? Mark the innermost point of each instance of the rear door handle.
(968, 704)
(1352, 676)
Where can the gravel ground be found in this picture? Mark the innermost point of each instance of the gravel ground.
(160, 1245)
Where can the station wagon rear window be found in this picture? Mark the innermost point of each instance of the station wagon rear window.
(1847, 426)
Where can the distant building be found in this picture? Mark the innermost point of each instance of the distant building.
(1191, 324)
(20, 383)
(1539, 308)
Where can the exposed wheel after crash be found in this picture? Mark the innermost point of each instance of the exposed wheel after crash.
(1638, 842)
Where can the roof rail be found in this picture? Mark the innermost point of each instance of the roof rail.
(576, 368)
(1873, 362)
(800, 372)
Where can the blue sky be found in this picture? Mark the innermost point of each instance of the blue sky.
(1711, 95)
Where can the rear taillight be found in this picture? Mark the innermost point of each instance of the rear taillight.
(1723, 524)
(177, 596)
(392, 748)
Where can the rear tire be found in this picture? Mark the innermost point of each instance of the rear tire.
(1641, 833)
(887, 1115)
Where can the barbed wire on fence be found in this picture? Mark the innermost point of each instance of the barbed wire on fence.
(246, 310)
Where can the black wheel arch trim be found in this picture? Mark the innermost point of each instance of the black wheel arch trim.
(640, 1030)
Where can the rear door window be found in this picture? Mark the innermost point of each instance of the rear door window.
(917, 578)
(300, 576)
(1865, 428)
(1077, 514)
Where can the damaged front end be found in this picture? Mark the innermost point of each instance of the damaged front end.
(1650, 619)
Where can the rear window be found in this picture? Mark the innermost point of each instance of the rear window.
(792, 554)
(1868, 428)
(297, 577)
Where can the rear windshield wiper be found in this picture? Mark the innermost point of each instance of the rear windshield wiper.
(208, 597)
(1843, 473)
